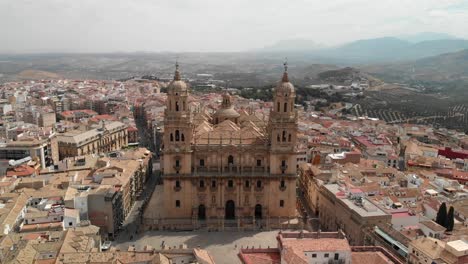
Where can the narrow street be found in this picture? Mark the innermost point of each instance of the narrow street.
(133, 220)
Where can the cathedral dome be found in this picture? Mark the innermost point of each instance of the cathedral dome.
(284, 86)
(177, 85)
(226, 111)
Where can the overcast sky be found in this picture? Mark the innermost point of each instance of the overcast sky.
(214, 25)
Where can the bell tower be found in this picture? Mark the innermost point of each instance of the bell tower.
(177, 128)
(282, 128)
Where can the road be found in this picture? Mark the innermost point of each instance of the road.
(133, 220)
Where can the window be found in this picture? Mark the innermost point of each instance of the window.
(247, 184)
(337, 256)
(259, 184)
(314, 255)
(183, 105)
(202, 162)
(278, 107)
(177, 106)
(177, 163)
(177, 184)
(177, 203)
(283, 163)
(259, 162)
(281, 203)
(278, 138)
(70, 223)
(202, 184)
(282, 184)
(172, 137)
(289, 137)
(182, 138)
(213, 183)
(327, 255)
(285, 107)
(230, 160)
(230, 184)
(177, 136)
(284, 136)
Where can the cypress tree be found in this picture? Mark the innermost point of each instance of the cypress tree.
(442, 215)
(450, 219)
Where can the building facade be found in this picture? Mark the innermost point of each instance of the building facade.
(110, 136)
(223, 170)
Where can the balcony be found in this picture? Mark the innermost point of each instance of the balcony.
(177, 188)
(231, 169)
(258, 189)
(177, 167)
(282, 188)
(201, 189)
(283, 168)
(230, 189)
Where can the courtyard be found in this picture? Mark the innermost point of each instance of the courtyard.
(223, 246)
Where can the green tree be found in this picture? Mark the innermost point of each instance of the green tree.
(441, 218)
(450, 219)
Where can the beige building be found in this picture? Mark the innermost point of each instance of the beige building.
(109, 136)
(351, 212)
(229, 169)
(431, 250)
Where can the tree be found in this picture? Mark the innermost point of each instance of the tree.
(450, 219)
(442, 215)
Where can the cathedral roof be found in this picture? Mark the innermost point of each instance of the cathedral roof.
(227, 132)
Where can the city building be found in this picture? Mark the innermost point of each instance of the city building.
(108, 136)
(224, 170)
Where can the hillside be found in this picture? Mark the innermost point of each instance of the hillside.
(449, 67)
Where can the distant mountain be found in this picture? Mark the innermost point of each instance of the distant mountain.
(380, 50)
(293, 45)
(449, 67)
(425, 36)
(394, 49)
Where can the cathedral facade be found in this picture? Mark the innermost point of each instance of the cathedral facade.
(228, 168)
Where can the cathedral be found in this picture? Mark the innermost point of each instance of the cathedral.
(229, 168)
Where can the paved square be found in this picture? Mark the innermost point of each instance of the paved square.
(223, 246)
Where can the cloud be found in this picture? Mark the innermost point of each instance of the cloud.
(213, 25)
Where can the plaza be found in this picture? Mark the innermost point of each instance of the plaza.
(223, 246)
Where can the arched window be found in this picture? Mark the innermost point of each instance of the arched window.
(182, 138)
(177, 136)
(282, 184)
(231, 160)
(202, 184)
(202, 162)
(172, 137)
(183, 105)
(285, 107)
(289, 137)
(259, 184)
(177, 184)
(213, 183)
(230, 183)
(177, 106)
(278, 107)
(283, 139)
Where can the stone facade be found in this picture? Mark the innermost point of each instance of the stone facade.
(107, 137)
(228, 169)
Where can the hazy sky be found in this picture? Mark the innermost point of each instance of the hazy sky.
(214, 25)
